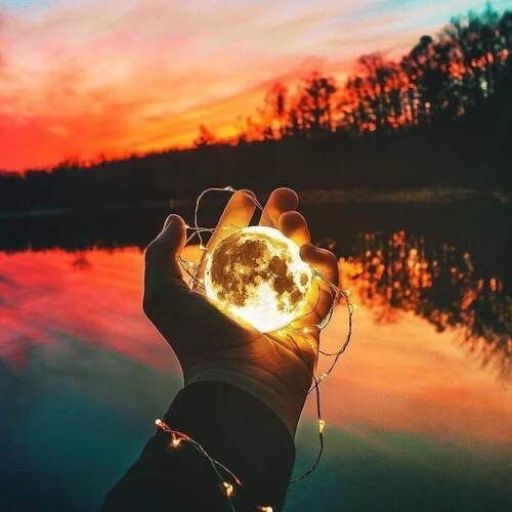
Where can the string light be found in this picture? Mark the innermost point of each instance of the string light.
(228, 489)
(353, 307)
(338, 296)
(229, 485)
(175, 441)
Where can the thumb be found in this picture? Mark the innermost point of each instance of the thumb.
(161, 255)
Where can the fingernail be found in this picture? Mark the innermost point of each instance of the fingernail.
(168, 221)
(306, 248)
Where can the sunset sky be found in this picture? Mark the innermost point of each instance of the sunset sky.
(83, 79)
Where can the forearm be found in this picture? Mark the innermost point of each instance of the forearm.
(234, 428)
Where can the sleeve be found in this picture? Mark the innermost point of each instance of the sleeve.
(234, 428)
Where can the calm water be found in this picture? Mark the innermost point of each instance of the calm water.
(419, 411)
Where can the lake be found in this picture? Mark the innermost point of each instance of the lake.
(418, 411)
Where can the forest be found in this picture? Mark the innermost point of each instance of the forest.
(441, 116)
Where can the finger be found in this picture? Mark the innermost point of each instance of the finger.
(322, 260)
(280, 200)
(162, 253)
(322, 298)
(293, 225)
(236, 215)
(170, 219)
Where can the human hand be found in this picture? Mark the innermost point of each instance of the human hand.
(275, 367)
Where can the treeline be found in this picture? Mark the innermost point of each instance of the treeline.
(440, 79)
(441, 116)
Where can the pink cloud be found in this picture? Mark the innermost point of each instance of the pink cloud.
(83, 79)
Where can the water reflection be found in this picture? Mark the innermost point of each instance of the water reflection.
(400, 272)
(90, 297)
(406, 409)
(449, 264)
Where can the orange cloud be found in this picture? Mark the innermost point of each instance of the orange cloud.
(82, 80)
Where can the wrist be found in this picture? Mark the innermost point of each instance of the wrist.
(285, 401)
(240, 432)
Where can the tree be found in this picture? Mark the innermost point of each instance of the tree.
(205, 138)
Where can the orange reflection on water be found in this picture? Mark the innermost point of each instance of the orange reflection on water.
(92, 297)
(398, 274)
(400, 375)
(405, 376)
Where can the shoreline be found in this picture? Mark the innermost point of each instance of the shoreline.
(417, 196)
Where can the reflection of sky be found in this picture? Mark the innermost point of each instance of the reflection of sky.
(139, 75)
(413, 422)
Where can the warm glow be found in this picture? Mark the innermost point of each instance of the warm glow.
(175, 441)
(228, 489)
(88, 79)
(257, 275)
(400, 375)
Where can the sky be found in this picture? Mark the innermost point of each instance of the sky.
(89, 79)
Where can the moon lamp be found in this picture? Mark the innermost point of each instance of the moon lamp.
(256, 274)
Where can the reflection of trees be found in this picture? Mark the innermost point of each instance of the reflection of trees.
(80, 261)
(403, 273)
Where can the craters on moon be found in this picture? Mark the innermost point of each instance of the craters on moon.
(257, 274)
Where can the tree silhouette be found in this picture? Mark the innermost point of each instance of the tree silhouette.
(441, 115)
(205, 138)
(441, 78)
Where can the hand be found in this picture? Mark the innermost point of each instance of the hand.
(276, 367)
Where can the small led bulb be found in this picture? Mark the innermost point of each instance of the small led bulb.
(175, 441)
(228, 489)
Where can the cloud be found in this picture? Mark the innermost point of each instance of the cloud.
(80, 79)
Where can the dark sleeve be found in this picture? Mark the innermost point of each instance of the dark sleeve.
(234, 428)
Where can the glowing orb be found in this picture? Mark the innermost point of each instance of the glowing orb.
(256, 274)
